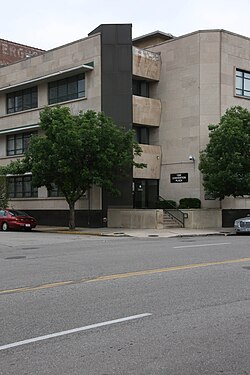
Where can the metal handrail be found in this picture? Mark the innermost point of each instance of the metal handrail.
(174, 213)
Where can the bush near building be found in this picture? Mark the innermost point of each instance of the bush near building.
(186, 203)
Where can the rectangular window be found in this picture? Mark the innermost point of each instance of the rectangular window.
(21, 187)
(22, 100)
(54, 191)
(142, 134)
(67, 89)
(242, 83)
(17, 144)
(141, 88)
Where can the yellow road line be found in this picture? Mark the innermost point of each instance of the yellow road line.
(39, 287)
(167, 269)
(124, 275)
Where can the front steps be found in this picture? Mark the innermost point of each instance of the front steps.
(170, 222)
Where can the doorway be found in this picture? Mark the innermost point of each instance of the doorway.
(146, 193)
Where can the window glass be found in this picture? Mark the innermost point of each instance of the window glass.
(21, 187)
(81, 88)
(10, 104)
(18, 103)
(18, 187)
(62, 91)
(53, 94)
(141, 88)
(17, 144)
(27, 186)
(247, 84)
(22, 100)
(242, 83)
(10, 145)
(239, 83)
(11, 187)
(54, 191)
(67, 89)
(2, 213)
(142, 134)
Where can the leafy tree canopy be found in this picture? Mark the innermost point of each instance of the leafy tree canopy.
(225, 162)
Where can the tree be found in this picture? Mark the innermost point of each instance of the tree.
(225, 162)
(76, 152)
(3, 192)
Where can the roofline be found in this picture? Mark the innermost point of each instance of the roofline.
(22, 45)
(168, 35)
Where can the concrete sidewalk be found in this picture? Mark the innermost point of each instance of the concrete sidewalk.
(124, 232)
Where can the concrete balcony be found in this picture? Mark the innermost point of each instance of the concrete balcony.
(146, 64)
(151, 155)
(146, 111)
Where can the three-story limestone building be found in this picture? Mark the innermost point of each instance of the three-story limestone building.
(168, 89)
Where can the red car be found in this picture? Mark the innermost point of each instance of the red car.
(15, 219)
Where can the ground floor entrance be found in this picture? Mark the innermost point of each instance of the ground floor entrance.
(145, 193)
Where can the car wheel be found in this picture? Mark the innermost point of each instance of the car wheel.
(5, 226)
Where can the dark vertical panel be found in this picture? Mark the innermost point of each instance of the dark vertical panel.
(116, 81)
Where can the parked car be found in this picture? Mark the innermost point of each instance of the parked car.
(242, 225)
(15, 219)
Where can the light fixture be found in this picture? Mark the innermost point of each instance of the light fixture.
(191, 158)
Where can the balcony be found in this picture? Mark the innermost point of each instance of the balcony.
(146, 111)
(146, 64)
(151, 155)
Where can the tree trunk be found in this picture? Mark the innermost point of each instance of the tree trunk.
(72, 215)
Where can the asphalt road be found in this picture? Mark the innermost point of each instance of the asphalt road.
(102, 306)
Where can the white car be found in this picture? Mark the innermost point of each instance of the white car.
(242, 225)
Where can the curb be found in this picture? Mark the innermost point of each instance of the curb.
(122, 234)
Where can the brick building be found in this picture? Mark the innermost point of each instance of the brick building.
(11, 52)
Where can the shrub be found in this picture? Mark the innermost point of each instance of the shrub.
(189, 203)
(166, 204)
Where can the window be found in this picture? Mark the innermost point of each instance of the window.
(21, 187)
(17, 144)
(22, 100)
(242, 83)
(54, 191)
(141, 88)
(67, 89)
(142, 134)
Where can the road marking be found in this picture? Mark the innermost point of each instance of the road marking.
(124, 275)
(31, 288)
(167, 269)
(74, 330)
(203, 245)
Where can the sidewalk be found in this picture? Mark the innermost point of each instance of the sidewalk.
(143, 233)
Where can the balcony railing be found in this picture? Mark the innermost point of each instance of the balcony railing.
(146, 64)
(146, 111)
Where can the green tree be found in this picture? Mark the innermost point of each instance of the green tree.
(76, 152)
(225, 162)
(3, 192)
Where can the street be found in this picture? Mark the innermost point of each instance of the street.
(77, 304)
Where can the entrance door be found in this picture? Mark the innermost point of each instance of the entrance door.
(146, 193)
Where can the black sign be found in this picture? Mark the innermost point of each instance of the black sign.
(178, 177)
